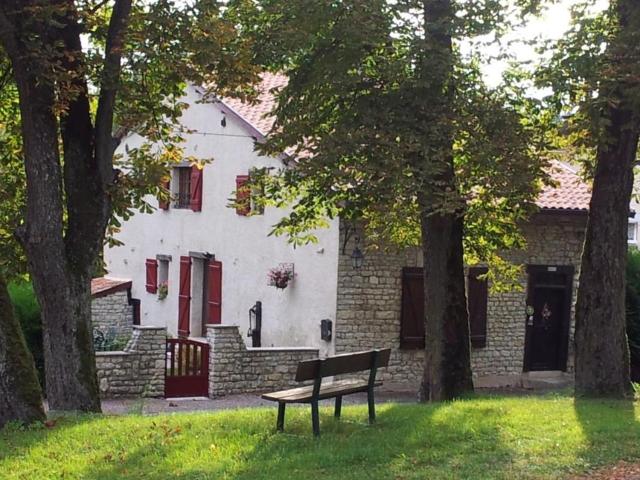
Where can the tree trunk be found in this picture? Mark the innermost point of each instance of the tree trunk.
(60, 266)
(602, 354)
(20, 394)
(447, 371)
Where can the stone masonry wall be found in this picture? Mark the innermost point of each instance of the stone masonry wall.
(234, 368)
(113, 312)
(369, 305)
(551, 240)
(139, 369)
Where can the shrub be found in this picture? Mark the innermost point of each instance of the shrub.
(27, 310)
(633, 310)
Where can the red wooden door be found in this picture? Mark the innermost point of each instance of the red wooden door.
(214, 295)
(184, 297)
(187, 368)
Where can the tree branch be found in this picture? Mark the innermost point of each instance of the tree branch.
(109, 87)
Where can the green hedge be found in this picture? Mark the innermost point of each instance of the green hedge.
(633, 310)
(27, 309)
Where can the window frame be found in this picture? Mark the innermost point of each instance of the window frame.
(181, 192)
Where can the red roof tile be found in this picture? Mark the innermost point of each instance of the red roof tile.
(257, 114)
(570, 193)
(104, 286)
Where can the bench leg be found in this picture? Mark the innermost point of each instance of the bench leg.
(338, 406)
(372, 407)
(280, 424)
(315, 418)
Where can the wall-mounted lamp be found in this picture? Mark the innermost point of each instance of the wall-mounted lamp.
(357, 257)
(223, 122)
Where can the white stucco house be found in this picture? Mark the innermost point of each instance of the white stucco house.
(215, 259)
(196, 261)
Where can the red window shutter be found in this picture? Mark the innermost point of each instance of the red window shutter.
(243, 195)
(152, 275)
(477, 296)
(196, 188)
(184, 297)
(412, 314)
(214, 301)
(164, 204)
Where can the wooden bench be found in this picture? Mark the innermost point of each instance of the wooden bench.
(318, 369)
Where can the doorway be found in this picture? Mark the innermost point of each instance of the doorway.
(548, 317)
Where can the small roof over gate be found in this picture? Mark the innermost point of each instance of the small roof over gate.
(103, 286)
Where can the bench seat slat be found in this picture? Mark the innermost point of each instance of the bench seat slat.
(329, 390)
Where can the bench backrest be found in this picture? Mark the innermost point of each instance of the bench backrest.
(341, 364)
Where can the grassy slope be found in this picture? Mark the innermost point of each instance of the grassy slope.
(478, 438)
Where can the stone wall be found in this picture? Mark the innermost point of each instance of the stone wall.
(234, 368)
(139, 369)
(551, 240)
(369, 305)
(112, 312)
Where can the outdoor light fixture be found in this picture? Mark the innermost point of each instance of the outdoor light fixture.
(223, 122)
(357, 257)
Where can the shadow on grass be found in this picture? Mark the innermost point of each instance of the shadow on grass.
(426, 441)
(449, 440)
(478, 438)
(611, 430)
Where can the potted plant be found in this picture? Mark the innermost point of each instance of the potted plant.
(163, 290)
(281, 275)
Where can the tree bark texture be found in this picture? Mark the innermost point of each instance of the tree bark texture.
(61, 253)
(20, 394)
(447, 372)
(602, 355)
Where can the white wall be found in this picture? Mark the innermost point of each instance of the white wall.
(290, 317)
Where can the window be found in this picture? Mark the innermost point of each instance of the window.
(182, 190)
(163, 275)
(187, 187)
(249, 189)
(412, 315)
(631, 232)
(477, 297)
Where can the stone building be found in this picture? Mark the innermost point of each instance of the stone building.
(113, 310)
(513, 334)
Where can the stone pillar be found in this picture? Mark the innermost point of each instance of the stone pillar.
(234, 368)
(150, 344)
(226, 349)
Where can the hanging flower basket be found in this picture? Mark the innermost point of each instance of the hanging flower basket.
(281, 276)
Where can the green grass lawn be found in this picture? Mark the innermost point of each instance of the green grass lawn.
(484, 437)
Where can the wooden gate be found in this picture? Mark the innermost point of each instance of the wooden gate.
(187, 368)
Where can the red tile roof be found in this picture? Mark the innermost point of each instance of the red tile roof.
(570, 194)
(103, 286)
(257, 114)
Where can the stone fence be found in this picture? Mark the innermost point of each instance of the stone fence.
(234, 368)
(138, 370)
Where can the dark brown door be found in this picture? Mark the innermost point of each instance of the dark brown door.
(548, 318)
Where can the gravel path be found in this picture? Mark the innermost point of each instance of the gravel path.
(150, 406)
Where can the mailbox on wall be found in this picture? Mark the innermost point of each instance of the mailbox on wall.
(326, 330)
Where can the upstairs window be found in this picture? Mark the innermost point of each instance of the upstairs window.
(249, 189)
(182, 189)
(187, 187)
(632, 232)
